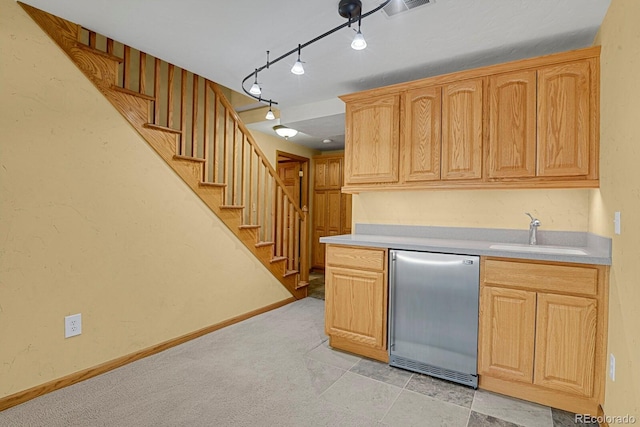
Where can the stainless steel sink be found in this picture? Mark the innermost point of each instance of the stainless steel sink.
(538, 249)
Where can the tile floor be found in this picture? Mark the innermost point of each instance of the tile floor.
(398, 397)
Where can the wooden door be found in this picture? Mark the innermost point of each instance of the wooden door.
(565, 343)
(356, 306)
(422, 138)
(345, 221)
(289, 172)
(462, 130)
(333, 210)
(512, 125)
(564, 119)
(372, 140)
(507, 333)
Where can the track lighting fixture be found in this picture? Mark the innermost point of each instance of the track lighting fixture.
(255, 88)
(350, 9)
(270, 115)
(297, 68)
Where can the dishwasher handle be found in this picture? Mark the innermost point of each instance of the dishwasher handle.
(392, 279)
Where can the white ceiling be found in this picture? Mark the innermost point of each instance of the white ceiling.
(226, 40)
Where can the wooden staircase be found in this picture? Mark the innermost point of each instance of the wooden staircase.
(190, 123)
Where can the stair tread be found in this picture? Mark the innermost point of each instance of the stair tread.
(278, 259)
(162, 128)
(249, 226)
(188, 158)
(264, 244)
(301, 284)
(231, 207)
(290, 273)
(133, 92)
(99, 52)
(211, 184)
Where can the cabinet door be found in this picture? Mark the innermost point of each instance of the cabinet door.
(334, 173)
(564, 119)
(356, 306)
(372, 137)
(512, 125)
(321, 171)
(333, 212)
(462, 130)
(507, 333)
(422, 140)
(565, 343)
(345, 221)
(319, 227)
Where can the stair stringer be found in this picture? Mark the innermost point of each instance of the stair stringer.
(102, 71)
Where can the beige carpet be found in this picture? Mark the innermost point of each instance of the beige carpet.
(254, 373)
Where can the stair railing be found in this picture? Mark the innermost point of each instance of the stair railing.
(210, 130)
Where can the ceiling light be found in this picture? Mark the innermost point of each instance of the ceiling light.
(285, 132)
(297, 68)
(327, 141)
(358, 42)
(349, 9)
(270, 115)
(255, 88)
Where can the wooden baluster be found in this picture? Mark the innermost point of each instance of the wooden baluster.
(126, 82)
(250, 189)
(214, 148)
(183, 113)
(225, 143)
(194, 118)
(304, 247)
(259, 217)
(243, 181)
(283, 224)
(290, 229)
(271, 193)
(142, 77)
(110, 46)
(170, 78)
(205, 131)
(156, 91)
(92, 39)
(296, 240)
(234, 162)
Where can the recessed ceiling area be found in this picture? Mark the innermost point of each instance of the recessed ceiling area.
(226, 41)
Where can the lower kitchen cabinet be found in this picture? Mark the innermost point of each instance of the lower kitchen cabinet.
(356, 295)
(543, 332)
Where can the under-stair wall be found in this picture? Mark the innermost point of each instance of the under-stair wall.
(190, 123)
(92, 221)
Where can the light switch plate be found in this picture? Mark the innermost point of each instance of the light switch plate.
(616, 222)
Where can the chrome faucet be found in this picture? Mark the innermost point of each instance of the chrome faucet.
(533, 229)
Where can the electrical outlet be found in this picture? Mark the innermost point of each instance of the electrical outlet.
(612, 367)
(72, 325)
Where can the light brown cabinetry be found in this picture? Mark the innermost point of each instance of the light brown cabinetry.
(543, 332)
(525, 124)
(462, 130)
(331, 208)
(373, 131)
(356, 300)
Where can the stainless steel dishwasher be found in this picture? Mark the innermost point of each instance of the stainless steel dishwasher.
(433, 314)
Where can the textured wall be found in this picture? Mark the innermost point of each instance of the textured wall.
(92, 221)
(620, 191)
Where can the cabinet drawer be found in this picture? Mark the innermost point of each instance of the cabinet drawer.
(541, 277)
(365, 258)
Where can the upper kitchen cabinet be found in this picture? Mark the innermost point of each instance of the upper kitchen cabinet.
(531, 123)
(462, 130)
(512, 125)
(373, 132)
(422, 136)
(564, 119)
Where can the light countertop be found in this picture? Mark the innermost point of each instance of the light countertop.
(575, 247)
